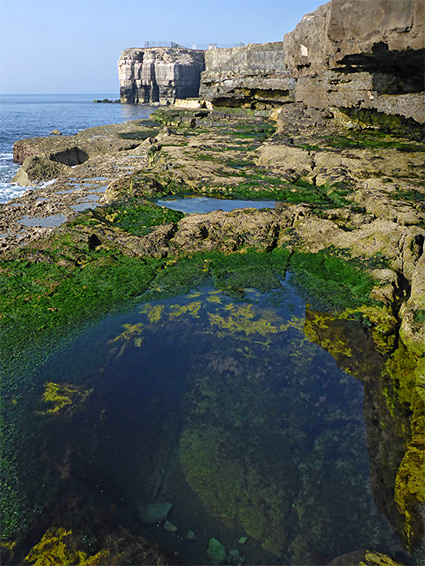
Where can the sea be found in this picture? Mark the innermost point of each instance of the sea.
(32, 115)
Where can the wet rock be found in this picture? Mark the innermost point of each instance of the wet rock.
(154, 512)
(190, 535)
(37, 169)
(364, 558)
(170, 527)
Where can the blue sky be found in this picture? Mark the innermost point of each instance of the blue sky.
(72, 46)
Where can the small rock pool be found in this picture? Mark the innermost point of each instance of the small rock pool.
(201, 417)
(202, 205)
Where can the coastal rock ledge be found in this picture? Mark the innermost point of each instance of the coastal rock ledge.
(362, 55)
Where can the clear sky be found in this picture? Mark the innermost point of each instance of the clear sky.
(72, 46)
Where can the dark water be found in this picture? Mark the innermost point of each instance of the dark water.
(224, 409)
(27, 116)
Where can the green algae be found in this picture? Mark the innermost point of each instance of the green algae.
(331, 281)
(361, 139)
(139, 218)
(62, 398)
(41, 297)
(386, 123)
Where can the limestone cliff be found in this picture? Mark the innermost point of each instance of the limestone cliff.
(361, 54)
(254, 75)
(159, 74)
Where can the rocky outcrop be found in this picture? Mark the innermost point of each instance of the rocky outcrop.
(361, 54)
(253, 76)
(159, 74)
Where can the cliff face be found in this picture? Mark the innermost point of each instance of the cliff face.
(254, 75)
(159, 74)
(357, 53)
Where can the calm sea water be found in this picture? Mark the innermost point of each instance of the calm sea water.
(27, 116)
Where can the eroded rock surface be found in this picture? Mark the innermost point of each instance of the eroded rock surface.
(354, 53)
(254, 75)
(159, 74)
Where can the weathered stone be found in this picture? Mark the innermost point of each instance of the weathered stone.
(159, 74)
(354, 53)
(253, 76)
(37, 169)
(296, 162)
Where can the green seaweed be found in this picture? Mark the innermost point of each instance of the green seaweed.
(330, 281)
(139, 219)
(387, 123)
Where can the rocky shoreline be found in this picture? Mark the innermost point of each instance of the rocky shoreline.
(329, 126)
(352, 191)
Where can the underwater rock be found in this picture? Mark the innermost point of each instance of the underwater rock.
(190, 535)
(216, 551)
(242, 540)
(364, 558)
(170, 527)
(154, 512)
(235, 557)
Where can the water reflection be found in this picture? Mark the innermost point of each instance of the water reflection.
(227, 411)
(203, 205)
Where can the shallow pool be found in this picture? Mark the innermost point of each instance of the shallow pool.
(202, 205)
(224, 412)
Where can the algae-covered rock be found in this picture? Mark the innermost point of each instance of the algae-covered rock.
(216, 551)
(63, 546)
(58, 546)
(37, 169)
(410, 490)
(364, 558)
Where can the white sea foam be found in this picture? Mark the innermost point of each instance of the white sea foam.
(9, 191)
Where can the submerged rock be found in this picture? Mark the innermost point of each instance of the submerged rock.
(190, 535)
(154, 512)
(170, 527)
(216, 551)
(364, 558)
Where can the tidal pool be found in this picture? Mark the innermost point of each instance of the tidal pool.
(202, 205)
(223, 411)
